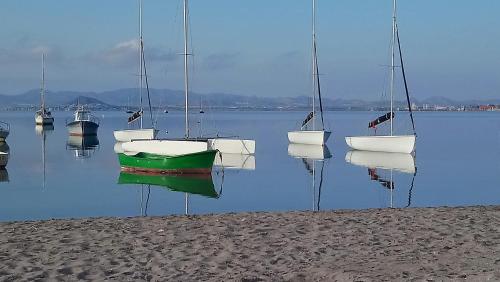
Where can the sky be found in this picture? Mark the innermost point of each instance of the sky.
(253, 47)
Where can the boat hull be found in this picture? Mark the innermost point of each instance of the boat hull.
(4, 130)
(391, 161)
(391, 144)
(43, 120)
(82, 128)
(309, 137)
(165, 147)
(194, 163)
(232, 146)
(135, 134)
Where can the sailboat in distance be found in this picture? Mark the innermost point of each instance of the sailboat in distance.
(388, 143)
(43, 116)
(141, 133)
(309, 132)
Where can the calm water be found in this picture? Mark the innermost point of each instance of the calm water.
(457, 160)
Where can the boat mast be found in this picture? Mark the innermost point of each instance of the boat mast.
(314, 74)
(393, 42)
(42, 88)
(186, 78)
(140, 60)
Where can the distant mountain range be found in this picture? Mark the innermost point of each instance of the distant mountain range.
(174, 99)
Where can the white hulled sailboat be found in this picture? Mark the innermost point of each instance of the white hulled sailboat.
(309, 133)
(141, 133)
(43, 116)
(388, 143)
(188, 144)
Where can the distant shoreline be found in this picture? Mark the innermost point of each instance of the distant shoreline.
(377, 244)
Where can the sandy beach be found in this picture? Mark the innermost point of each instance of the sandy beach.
(432, 244)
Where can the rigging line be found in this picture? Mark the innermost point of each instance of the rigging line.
(147, 85)
(404, 79)
(319, 87)
(410, 192)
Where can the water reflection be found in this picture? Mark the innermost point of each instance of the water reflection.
(383, 166)
(201, 185)
(83, 146)
(43, 131)
(4, 159)
(235, 161)
(310, 156)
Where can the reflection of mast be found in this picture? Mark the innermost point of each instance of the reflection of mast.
(44, 136)
(144, 207)
(310, 165)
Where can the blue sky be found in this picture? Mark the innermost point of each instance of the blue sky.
(253, 47)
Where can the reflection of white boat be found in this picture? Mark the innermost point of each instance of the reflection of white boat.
(83, 124)
(4, 130)
(83, 146)
(388, 162)
(235, 161)
(4, 159)
(395, 161)
(43, 129)
(316, 152)
(389, 143)
(232, 146)
(4, 175)
(4, 154)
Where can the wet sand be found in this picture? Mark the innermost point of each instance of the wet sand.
(372, 245)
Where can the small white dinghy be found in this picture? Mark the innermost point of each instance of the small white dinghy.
(141, 133)
(308, 134)
(389, 143)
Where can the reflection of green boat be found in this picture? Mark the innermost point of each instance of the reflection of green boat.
(200, 162)
(192, 184)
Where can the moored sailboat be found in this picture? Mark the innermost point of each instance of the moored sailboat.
(141, 133)
(170, 156)
(389, 143)
(43, 116)
(309, 132)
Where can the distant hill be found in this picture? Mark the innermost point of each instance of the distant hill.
(172, 99)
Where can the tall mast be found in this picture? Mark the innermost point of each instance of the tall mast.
(393, 43)
(42, 87)
(186, 78)
(140, 60)
(314, 74)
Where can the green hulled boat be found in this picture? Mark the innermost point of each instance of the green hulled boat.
(192, 184)
(194, 163)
